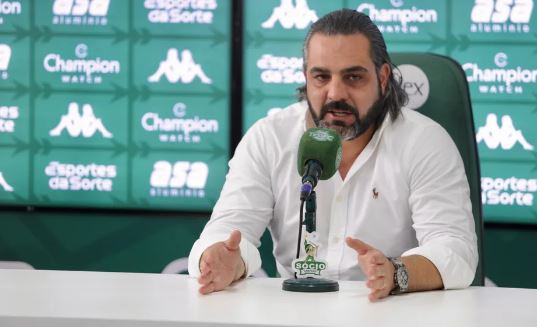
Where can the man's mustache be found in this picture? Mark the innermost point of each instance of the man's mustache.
(337, 105)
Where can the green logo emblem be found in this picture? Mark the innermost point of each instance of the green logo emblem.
(309, 267)
(321, 135)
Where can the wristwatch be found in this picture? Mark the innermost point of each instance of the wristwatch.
(400, 276)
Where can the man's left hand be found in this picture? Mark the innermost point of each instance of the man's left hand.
(377, 268)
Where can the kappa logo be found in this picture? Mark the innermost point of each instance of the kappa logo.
(506, 136)
(85, 125)
(500, 80)
(182, 179)
(183, 70)
(415, 83)
(289, 15)
(80, 12)
(501, 16)
(5, 57)
(4, 184)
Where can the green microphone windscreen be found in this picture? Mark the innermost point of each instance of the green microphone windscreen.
(323, 145)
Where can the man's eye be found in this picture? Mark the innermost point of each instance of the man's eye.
(321, 77)
(354, 77)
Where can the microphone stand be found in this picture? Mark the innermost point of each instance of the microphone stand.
(309, 284)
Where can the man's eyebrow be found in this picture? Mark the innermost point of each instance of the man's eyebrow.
(319, 70)
(355, 69)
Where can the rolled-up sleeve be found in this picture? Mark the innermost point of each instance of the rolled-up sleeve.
(441, 208)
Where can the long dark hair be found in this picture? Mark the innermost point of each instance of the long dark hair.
(348, 22)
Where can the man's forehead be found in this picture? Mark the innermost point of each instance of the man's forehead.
(351, 50)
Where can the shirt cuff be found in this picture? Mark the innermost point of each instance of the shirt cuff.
(249, 253)
(454, 270)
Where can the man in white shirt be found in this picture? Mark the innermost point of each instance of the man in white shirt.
(398, 213)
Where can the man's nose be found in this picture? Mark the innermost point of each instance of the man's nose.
(337, 90)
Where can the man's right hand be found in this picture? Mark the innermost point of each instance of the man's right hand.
(221, 264)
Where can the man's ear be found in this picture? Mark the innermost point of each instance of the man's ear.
(384, 75)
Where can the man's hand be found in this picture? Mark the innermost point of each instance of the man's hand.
(377, 268)
(221, 264)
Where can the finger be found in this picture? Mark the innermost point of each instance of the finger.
(377, 284)
(377, 295)
(206, 278)
(204, 267)
(358, 245)
(376, 258)
(232, 243)
(206, 289)
(375, 272)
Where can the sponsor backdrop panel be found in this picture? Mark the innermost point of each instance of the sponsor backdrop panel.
(497, 72)
(14, 15)
(13, 177)
(75, 63)
(186, 19)
(259, 105)
(497, 21)
(85, 178)
(269, 20)
(508, 192)
(506, 132)
(82, 17)
(14, 120)
(410, 20)
(87, 121)
(14, 59)
(181, 123)
(191, 180)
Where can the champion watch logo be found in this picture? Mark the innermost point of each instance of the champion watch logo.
(8, 8)
(181, 12)
(85, 125)
(81, 70)
(398, 18)
(4, 184)
(176, 70)
(178, 129)
(506, 136)
(290, 15)
(80, 12)
(501, 79)
(182, 180)
(501, 16)
(5, 57)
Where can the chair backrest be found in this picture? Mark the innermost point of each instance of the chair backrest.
(437, 88)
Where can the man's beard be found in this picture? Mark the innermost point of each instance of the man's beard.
(354, 130)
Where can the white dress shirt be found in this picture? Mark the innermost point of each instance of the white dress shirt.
(405, 194)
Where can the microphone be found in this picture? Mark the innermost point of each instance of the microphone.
(319, 156)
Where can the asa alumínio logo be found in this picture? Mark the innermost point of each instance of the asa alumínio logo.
(504, 137)
(5, 58)
(9, 8)
(81, 70)
(176, 70)
(80, 12)
(76, 125)
(178, 129)
(499, 79)
(415, 83)
(398, 19)
(501, 16)
(81, 177)
(182, 179)
(512, 191)
(181, 12)
(281, 69)
(8, 117)
(4, 184)
(291, 14)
